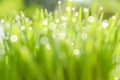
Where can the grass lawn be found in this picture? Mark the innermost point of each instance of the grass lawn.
(70, 45)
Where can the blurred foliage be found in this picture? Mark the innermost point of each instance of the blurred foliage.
(28, 6)
(7, 6)
(49, 4)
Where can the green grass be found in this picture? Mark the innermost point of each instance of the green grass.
(69, 45)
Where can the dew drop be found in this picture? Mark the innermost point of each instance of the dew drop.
(84, 36)
(52, 26)
(70, 0)
(17, 17)
(72, 44)
(62, 36)
(64, 18)
(22, 28)
(1, 31)
(45, 22)
(44, 40)
(73, 9)
(22, 14)
(7, 25)
(91, 19)
(76, 52)
(57, 20)
(63, 26)
(2, 21)
(85, 9)
(54, 35)
(76, 14)
(74, 20)
(116, 78)
(59, 2)
(68, 9)
(13, 38)
(27, 20)
(2, 51)
(105, 24)
(113, 17)
(101, 8)
(48, 47)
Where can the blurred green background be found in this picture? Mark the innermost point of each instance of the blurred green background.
(28, 6)
(32, 60)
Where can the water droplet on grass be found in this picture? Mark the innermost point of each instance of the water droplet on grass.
(105, 24)
(64, 18)
(117, 78)
(22, 28)
(45, 22)
(113, 17)
(52, 26)
(85, 9)
(57, 20)
(1, 31)
(2, 21)
(44, 40)
(91, 19)
(73, 9)
(2, 51)
(27, 20)
(63, 26)
(59, 2)
(74, 19)
(76, 52)
(72, 44)
(68, 9)
(7, 25)
(76, 14)
(22, 14)
(62, 36)
(84, 36)
(48, 47)
(17, 17)
(54, 35)
(13, 38)
(101, 8)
